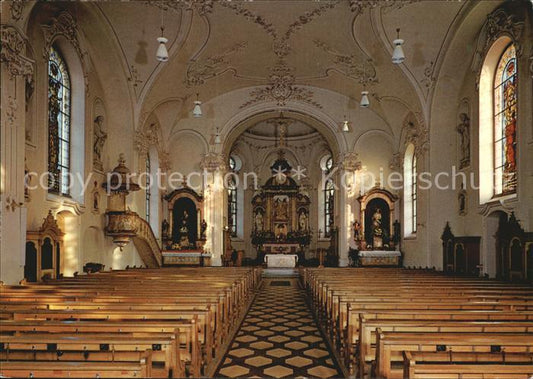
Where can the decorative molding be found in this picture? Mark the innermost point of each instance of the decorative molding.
(499, 23)
(396, 162)
(134, 77)
(280, 44)
(281, 89)
(350, 162)
(62, 25)
(359, 6)
(429, 80)
(200, 71)
(213, 162)
(11, 111)
(151, 135)
(16, 7)
(12, 53)
(415, 132)
(147, 137)
(354, 66)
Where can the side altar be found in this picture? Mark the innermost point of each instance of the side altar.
(184, 236)
(376, 237)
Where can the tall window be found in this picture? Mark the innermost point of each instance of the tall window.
(409, 191)
(505, 85)
(232, 200)
(329, 199)
(59, 94)
(148, 189)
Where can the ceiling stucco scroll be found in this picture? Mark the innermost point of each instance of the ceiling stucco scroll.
(353, 66)
(200, 71)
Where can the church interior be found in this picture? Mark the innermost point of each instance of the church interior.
(266, 188)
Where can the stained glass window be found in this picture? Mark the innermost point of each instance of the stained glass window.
(58, 124)
(505, 96)
(410, 191)
(329, 199)
(148, 189)
(413, 193)
(232, 200)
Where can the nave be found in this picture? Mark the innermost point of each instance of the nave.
(279, 337)
(232, 322)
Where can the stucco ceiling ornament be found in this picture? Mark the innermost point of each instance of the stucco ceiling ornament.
(350, 162)
(213, 162)
(13, 48)
(281, 89)
(16, 7)
(203, 7)
(499, 23)
(429, 80)
(354, 66)
(200, 71)
(280, 44)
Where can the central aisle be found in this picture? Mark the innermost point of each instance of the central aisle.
(278, 337)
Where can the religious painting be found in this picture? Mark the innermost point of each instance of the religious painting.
(184, 229)
(505, 110)
(281, 207)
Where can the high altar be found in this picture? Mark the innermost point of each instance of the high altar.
(281, 214)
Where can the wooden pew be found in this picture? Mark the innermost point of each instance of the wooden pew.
(391, 345)
(20, 369)
(416, 368)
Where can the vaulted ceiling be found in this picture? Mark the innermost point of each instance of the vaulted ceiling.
(219, 46)
(283, 50)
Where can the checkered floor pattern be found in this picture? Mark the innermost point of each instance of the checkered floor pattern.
(278, 338)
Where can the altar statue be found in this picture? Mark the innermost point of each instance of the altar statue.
(184, 232)
(302, 222)
(281, 211)
(259, 222)
(377, 230)
(356, 231)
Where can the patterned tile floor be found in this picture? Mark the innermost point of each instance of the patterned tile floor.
(279, 338)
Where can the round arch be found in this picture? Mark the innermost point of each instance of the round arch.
(327, 127)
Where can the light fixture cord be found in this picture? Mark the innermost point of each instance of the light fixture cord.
(162, 22)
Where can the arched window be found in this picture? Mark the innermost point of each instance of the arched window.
(232, 199)
(505, 84)
(409, 191)
(498, 99)
(329, 198)
(148, 185)
(59, 119)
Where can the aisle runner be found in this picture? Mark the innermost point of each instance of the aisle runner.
(278, 338)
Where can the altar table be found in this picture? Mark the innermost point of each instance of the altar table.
(281, 260)
(186, 257)
(379, 258)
